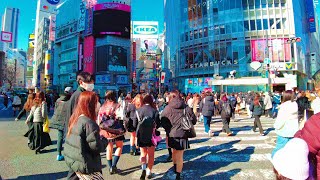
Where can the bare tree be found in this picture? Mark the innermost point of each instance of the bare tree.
(10, 75)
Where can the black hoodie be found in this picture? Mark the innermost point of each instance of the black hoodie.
(207, 106)
(172, 115)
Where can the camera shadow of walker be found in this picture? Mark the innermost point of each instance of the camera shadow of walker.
(200, 163)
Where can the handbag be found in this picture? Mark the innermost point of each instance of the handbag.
(46, 125)
(187, 126)
(156, 138)
(111, 128)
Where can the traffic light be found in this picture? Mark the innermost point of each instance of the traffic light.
(293, 40)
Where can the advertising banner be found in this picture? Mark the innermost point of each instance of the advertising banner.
(276, 50)
(6, 36)
(82, 16)
(145, 29)
(112, 19)
(310, 15)
(30, 51)
(49, 6)
(117, 59)
(52, 27)
(89, 22)
(88, 54)
(122, 79)
(114, 6)
(103, 79)
(66, 30)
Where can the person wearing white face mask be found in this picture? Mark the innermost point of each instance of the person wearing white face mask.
(86, 83)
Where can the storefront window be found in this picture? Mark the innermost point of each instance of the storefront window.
(285, 23)
(265, 24)
(259, 25)
(271, 21)
(263, 3)
(252, 25)
(223, 52)
(257, 4)
(244, 4)
(270, 3)
(215, 11)
(246, 25)
(278, 23)
(195, 34)
(251, 4)
(222, 29)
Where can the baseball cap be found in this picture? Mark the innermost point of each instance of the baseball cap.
(67, 89)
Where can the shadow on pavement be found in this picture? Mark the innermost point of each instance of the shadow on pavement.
(268, 131)
(220, 156)
(59, 175)
(125, 172)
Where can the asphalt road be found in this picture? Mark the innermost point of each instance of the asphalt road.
(243, 156)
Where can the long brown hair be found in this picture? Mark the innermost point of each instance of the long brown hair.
(86, 106)
(147, 99)
(27, 106)
(137, 101)
(39, 98)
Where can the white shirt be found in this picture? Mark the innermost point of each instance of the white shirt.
(286, 124)
(190, 102)
(315, 105)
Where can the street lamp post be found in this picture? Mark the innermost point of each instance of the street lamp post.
(159, 67)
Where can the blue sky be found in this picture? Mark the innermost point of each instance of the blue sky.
(142, 10)
(27, 14)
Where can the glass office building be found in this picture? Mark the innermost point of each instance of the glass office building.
(213, 44)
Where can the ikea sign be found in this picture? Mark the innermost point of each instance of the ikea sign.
(145, 29)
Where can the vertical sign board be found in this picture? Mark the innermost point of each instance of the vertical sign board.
(89, 22)
(80, 56)
(6, 36)
(134, 57)
(82, 16)
(88, 54)
(52, 27)
(310, 15)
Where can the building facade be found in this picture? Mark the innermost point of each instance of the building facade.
(240, 45)
(40, 54)
(10, 23)
(66, 49)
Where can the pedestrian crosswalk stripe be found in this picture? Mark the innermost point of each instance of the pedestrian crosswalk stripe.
(234, 156)
(236, 173)
(235, 133)
(211, 146)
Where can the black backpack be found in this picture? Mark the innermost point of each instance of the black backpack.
(226, 107)
(145, 128)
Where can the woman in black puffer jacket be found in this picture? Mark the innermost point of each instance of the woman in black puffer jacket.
(171, 118)
(83, 144)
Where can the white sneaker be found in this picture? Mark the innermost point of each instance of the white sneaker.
(210, 133)
(16, 119)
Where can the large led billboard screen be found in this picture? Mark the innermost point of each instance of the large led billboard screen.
(112, 19)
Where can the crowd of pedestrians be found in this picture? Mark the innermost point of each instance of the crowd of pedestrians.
(88, 127)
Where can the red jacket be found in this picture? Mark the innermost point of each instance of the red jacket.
(310, 133)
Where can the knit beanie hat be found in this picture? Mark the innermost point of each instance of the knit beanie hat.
(292, 160)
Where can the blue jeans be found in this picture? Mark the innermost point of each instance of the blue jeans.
(281, 142)
(60, 141)
(206, 122)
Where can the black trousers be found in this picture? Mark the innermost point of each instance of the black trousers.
(257, 123)
(72, 175)
(21, 113)
(226, 122)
